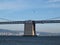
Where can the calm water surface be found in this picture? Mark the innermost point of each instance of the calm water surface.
(19, 40)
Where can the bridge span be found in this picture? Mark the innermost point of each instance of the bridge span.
(29, 26)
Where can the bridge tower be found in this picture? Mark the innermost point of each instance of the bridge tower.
(29, 28)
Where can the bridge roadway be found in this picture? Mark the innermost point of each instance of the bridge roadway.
(29, 26)
(38, 21)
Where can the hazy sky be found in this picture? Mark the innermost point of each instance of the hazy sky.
(30, 10)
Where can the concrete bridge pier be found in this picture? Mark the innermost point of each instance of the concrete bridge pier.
(29, 29)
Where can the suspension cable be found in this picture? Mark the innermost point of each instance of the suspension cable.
(53, 18)
(5, 19)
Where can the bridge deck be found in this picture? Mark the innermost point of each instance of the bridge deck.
(23, 22)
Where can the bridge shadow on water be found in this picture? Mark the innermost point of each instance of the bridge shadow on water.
(29, 40)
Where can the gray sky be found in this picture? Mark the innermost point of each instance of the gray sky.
(53, 28)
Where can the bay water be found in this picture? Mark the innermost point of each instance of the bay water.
(29, 40)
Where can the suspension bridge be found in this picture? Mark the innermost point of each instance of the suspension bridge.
(29, 25)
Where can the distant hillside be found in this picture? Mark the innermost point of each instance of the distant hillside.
(48, 34)
(10, 31)
(38, 33)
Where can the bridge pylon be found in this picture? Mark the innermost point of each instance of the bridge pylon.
(29, 28)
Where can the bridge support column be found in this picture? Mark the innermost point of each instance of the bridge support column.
(29, 29)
